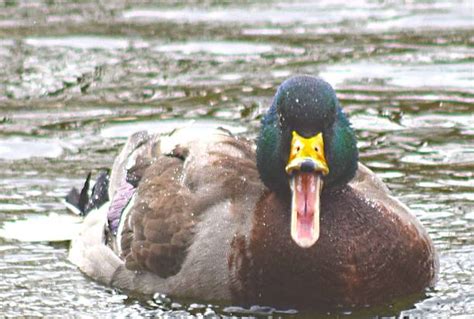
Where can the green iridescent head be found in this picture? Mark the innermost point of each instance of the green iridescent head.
(305, 145)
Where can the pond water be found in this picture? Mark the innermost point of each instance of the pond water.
(77, 78)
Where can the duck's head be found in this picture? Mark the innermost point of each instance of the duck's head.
(305, 145)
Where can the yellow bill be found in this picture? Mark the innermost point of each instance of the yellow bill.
(306, 167)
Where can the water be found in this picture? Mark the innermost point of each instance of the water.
(76, 78)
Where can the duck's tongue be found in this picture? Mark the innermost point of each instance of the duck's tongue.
(306, 190)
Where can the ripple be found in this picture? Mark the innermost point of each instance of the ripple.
(216, 48)
(283, 13)
(459, 75)
(14, 207)
(374, 123)
(253, 15)
(390, 175)
(54, 69)
(199, 127)
(444, 120)
(85, 43)
(6, 43)
(18, 148)
(262, 31)
(36, 228)
(448, 153)
(442, 15)
(469, 216)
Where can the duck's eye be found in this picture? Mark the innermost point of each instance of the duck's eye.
(297, 148)
(316, 149)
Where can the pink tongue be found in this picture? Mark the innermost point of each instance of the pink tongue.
(305, 200)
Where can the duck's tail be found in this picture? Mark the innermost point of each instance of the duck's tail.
(81, 203)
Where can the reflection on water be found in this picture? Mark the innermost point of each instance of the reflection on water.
(79, 77)
(215, 47)
(200, 127)
(17, 148)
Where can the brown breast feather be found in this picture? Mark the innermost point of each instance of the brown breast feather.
(365, 254)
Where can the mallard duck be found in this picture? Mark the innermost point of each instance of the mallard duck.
(294, 221)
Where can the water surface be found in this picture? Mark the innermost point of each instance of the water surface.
(78, 78)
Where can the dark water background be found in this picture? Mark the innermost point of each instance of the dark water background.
(77, 78)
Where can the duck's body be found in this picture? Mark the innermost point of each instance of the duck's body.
(200, 223)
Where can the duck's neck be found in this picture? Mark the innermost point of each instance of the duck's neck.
(270, 162)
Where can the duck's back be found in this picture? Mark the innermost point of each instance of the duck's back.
(190, 197)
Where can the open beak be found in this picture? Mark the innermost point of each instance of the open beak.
(306, 167)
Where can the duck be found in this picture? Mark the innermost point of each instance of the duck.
(291, 219)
